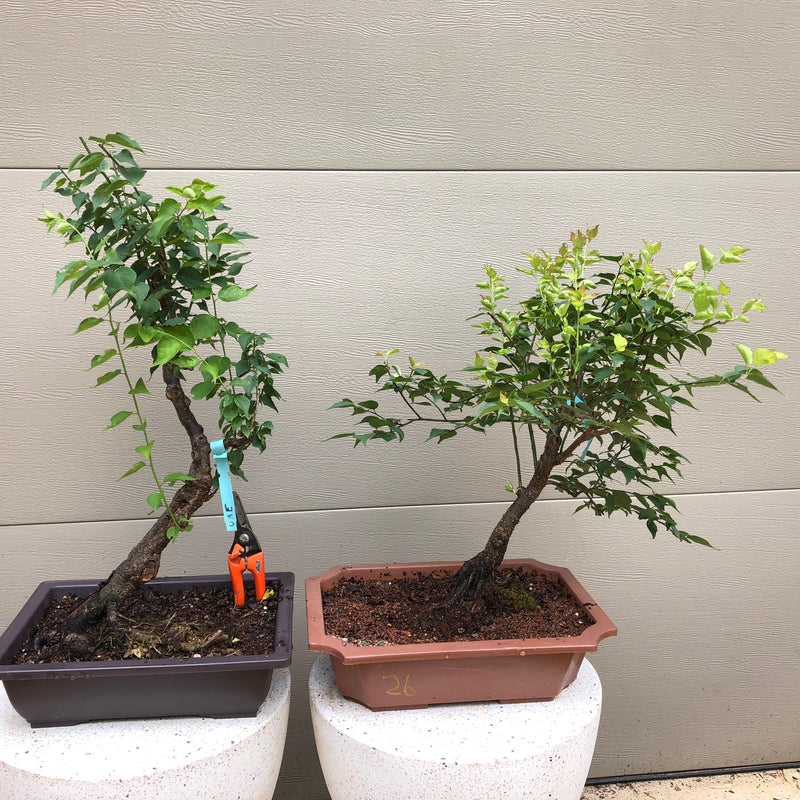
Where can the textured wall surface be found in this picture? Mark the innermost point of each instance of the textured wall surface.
(383, 153)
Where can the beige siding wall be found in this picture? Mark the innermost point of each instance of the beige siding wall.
(384, 152)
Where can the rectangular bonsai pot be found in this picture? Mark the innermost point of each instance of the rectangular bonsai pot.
(70, 693)
(390, 677)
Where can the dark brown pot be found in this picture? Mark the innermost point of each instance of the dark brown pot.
(70, 693)
(418, 675)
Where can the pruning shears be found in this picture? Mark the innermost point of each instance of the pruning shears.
(245, 555)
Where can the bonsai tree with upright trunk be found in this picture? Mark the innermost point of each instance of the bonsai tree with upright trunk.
(157, 273)
(581, 373)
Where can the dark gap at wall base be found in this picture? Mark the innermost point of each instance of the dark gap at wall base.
(696, 773)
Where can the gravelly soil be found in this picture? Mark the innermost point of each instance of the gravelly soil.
(154, 625)
(413, 610)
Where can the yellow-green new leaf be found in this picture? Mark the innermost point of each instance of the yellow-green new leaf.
(763, 357)
(746, 352)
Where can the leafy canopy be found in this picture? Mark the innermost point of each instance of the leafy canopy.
(157, 272)
(593, 356)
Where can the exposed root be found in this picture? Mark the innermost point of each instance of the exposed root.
(470, 585)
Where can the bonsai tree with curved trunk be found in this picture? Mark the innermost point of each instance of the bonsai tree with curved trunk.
(581, 373)
(157, 274)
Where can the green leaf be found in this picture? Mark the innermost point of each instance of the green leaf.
(204, 326)
(231, 292)
(89, 322)
(122, 139)
(118, 418)
(144, 450)
(166, 349)
(164, 217)
(109, 376)
(132, 174)
(135, 468)
(638, 451)
(178, 476)
(699, 540)
(49, 179)
(173, 532)
(120, 279)
(201, 293)
(224, 238)
(758, 377)
(139, 388)
(527, 407)
(441, 434)
(202, 390)
(155, 500)
(662, 422)
(181, 332)
(101, 358)
(199, 224)
(68, 272)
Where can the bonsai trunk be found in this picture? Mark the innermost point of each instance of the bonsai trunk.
(143, 561)
(474, 577)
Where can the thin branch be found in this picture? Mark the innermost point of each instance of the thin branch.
(590, 433)
(516, 449)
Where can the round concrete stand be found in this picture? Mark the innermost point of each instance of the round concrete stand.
(465, 751)
(188, 758)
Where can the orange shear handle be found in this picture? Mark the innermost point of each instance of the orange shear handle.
(237, 566)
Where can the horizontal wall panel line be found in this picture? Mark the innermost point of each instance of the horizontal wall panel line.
(444, 171)
(400, 507)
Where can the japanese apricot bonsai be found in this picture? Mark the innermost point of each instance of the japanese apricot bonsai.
(157, 273)
(581, 373)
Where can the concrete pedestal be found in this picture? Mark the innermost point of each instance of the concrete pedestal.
(469, 751)
(187, 758)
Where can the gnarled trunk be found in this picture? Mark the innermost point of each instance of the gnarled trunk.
(474, 577)
(143, 561)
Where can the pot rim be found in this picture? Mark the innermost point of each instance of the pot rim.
(318, 640)
(30, 613)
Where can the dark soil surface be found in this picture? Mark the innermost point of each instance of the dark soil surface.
(153, 625)
(409, 610)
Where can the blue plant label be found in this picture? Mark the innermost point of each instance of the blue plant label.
(589, 443)
(225, 489)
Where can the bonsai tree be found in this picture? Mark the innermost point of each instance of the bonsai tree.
(582, 372)
(158, 273)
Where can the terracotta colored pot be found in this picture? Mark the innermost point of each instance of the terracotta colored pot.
(70, 693)
(417, 675)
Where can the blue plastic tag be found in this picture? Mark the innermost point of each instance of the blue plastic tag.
(225, 489)
(589, 443)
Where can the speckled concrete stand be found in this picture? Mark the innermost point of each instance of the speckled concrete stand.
(468, 751)
(174, 759)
